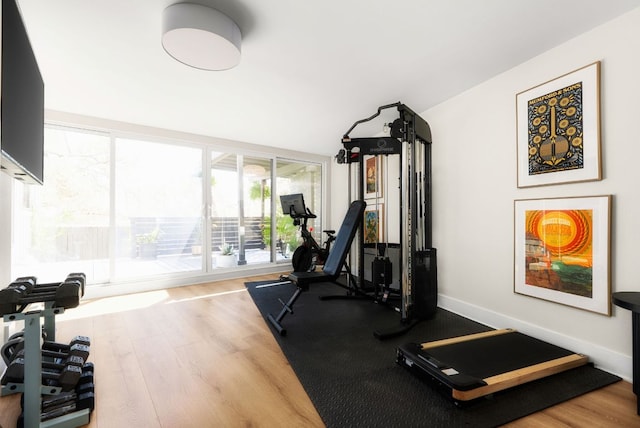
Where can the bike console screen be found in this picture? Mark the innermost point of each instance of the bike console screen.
(293, 205)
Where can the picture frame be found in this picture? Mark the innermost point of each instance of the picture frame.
(562, 251)
(372, 177)
(372, 224)
(558, 130)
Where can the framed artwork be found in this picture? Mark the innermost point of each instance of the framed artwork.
(558, 129)
(373, 224)
(562, 251)
(372, 177)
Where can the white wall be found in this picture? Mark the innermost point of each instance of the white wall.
(5, 211)
(5, 229)
(338, 179)
(475, 184)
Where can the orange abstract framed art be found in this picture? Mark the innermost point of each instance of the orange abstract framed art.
(562, 251)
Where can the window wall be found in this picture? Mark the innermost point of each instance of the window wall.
(63, 225)
(298, 177)
(122, 209)
(158, 208)
(240, 209)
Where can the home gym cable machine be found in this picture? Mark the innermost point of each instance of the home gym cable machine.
(410, 140)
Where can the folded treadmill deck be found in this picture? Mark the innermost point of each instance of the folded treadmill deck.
(476, 365)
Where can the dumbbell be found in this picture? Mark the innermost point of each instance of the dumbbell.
(65, 347)
(82, 401)
(59, 364)
(14, 339)
(11, 295)
(78, 349)
(76, 402)
(78, 277)
(85, 384)
(45, 290)
(87, 374)
(79, 345)
(83, 397)
(76, 357)
(67, 378)
(64, 399)
(25, 290)
(17, 295)
(20, 334)
(25, 281)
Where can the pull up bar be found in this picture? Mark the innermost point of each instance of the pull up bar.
(373, 116)
(420, 126)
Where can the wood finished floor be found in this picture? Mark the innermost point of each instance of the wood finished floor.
(202, 356)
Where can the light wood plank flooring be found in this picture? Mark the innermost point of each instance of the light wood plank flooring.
(202, 356)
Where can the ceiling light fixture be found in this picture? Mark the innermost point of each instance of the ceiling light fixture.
(201, 37)
(254, 170)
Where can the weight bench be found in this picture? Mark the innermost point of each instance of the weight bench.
(332, 267)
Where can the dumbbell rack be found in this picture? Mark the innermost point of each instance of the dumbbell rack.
(32, 387)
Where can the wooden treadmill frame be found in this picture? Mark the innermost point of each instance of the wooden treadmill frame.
(508, 379)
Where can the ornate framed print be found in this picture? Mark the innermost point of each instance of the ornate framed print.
(373, 224)
(558, 129)
(561, 251)
(373, 177)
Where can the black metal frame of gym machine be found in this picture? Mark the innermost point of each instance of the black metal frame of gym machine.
(410, 137)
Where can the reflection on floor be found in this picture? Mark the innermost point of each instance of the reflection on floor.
(97, 270)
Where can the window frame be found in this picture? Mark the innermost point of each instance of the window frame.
(118, 130)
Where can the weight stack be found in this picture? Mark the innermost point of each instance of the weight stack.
(425, 286)
(381, 272)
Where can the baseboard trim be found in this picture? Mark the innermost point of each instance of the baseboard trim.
(99, 291)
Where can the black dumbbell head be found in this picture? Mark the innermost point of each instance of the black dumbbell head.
(68, 378)
(81, 278)
(64, 347)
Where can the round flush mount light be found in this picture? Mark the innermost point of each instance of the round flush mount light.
(201, 37)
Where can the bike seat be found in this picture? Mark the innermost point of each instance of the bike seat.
(329, 232)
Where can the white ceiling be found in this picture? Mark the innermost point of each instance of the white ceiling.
(309, 68)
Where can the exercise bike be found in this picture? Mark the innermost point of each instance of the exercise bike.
(309, 254)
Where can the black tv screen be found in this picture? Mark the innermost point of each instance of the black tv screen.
(22, 101)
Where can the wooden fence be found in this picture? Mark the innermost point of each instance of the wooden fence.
(171, 235)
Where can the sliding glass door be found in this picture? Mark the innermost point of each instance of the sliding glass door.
(240, 210)
(298, 177)
(158, 208)
(122, 209)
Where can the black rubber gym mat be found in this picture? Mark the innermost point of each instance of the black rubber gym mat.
(353, 380)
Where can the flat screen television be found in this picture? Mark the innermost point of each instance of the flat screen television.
(21, 101)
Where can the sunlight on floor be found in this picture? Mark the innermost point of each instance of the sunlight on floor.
(207, 296)
(111, 305)
(131, 302)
